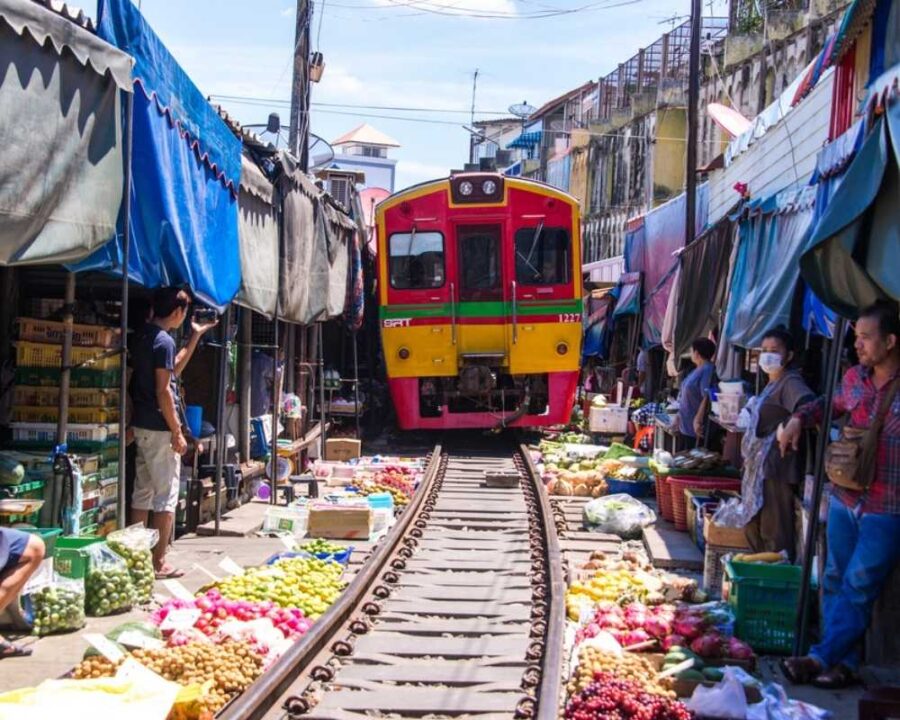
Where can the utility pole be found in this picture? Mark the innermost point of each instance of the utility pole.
(693, 103)
(299, 130)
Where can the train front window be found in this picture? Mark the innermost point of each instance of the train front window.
(543, 256)
(417, 260)
(478, 249)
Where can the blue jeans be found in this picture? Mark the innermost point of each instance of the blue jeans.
(862, 551)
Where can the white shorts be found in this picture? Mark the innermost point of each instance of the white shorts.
(157, 472)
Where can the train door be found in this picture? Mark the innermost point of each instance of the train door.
(480, 289)
(545, 322)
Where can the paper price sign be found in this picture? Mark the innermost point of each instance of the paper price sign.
(178, 590)
(106, 647)
(180, 619)
(231, 567)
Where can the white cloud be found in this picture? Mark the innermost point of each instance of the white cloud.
(412, 172)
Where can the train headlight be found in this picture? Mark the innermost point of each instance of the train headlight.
(466, 188)
(562, 348)
(488, 187)
(403, 353)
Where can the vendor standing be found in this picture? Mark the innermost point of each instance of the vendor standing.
(693, 389)
(21, 554)
(263, 376)
(770, 480)
(863, 527)
(157, 420)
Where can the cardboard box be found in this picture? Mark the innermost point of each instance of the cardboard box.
(342, 449)
(336, 522)
(612, 420)
(724, 536)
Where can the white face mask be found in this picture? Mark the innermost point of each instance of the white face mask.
(770, 362)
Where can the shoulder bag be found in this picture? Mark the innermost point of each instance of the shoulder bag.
(850, 460)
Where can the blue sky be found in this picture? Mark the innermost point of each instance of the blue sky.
(391, 53)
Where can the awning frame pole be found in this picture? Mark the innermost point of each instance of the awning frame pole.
(812, 531)
(276, 399)
(321, 389)
(221, 441)
(121, 500)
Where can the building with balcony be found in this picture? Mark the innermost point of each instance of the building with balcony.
(365, 150)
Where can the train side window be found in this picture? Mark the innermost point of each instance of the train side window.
(417, 260)
(543, 256)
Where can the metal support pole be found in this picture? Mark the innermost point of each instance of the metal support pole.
(221, 439)
(812, 531)
(65, 376)
(121, 500)
(690, 215)
(321, 390)
(245, 358)
(276, 396)
(356, 383)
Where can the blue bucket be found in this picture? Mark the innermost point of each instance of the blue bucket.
(194, 415)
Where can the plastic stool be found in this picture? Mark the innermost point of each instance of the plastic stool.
(880, 703)
(312, 485)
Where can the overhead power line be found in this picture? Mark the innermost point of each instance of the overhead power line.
(394, 108)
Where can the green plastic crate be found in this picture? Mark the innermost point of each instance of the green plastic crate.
(50, 536)
(764, 598)
(88, 518)
(29, 490)
(70, 559)
(80, 377)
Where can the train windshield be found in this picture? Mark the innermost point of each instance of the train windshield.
(480, 275)
(417, 260)
(542, 256)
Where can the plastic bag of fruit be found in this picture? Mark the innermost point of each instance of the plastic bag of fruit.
(618, 514)
(108, 586)
(134, 544)
(52, 603)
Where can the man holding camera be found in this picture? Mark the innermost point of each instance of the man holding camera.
(157, 419)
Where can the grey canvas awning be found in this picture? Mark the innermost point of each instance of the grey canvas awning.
(258, 236)
(61, 178)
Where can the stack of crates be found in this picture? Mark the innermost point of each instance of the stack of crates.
(93, 429)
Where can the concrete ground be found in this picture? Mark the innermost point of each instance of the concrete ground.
(198, 555)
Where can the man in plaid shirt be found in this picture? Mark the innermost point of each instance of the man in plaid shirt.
(863, 528)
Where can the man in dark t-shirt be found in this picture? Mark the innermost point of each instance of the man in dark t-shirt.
(158, 433)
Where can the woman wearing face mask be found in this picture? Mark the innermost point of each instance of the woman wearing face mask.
(770, 480)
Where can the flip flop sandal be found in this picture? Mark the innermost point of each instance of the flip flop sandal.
(800, 670)
(837, 678)
(9, 650)
(169, 573)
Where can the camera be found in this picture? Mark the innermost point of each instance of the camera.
(205, 315)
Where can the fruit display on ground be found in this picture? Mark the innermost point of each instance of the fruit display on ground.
(611, 697)
(629, 666)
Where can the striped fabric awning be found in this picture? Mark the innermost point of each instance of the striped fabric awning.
(526, 140)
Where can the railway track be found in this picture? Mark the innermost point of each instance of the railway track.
(457, 613)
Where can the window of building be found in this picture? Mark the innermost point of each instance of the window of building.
(543, 256)
(416, 260)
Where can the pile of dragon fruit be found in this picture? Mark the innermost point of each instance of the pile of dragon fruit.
(220, 619)
(705, 629)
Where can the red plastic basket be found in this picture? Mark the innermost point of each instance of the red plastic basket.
(664, 497)
(678, 485)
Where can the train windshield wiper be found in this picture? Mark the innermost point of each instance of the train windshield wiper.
(537, 236)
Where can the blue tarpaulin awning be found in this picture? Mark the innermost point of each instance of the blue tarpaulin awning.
(850, 259)
(526, 140)
(185, 170)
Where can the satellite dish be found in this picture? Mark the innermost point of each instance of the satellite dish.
(320, 152)
(522, 110)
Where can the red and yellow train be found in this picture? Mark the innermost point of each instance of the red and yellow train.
(480, 302)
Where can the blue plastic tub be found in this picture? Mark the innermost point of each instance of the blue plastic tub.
(342, 557)
(639, 489)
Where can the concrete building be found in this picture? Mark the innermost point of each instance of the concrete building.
(491, 141)
(365, 149)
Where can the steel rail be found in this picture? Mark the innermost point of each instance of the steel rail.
(259, 698)
(550, 695)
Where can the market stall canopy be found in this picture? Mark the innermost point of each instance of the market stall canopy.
(771, 237)
(628, 295)
(850, 259)
(651, 250)
(703, 284)
(185, 170)
(315, 249)
(258, 234)
(597, 309)
(61, 134)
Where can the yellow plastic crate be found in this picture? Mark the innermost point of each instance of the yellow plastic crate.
(36, 396)
(49, 331)
(29, 354)
(76, 415)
